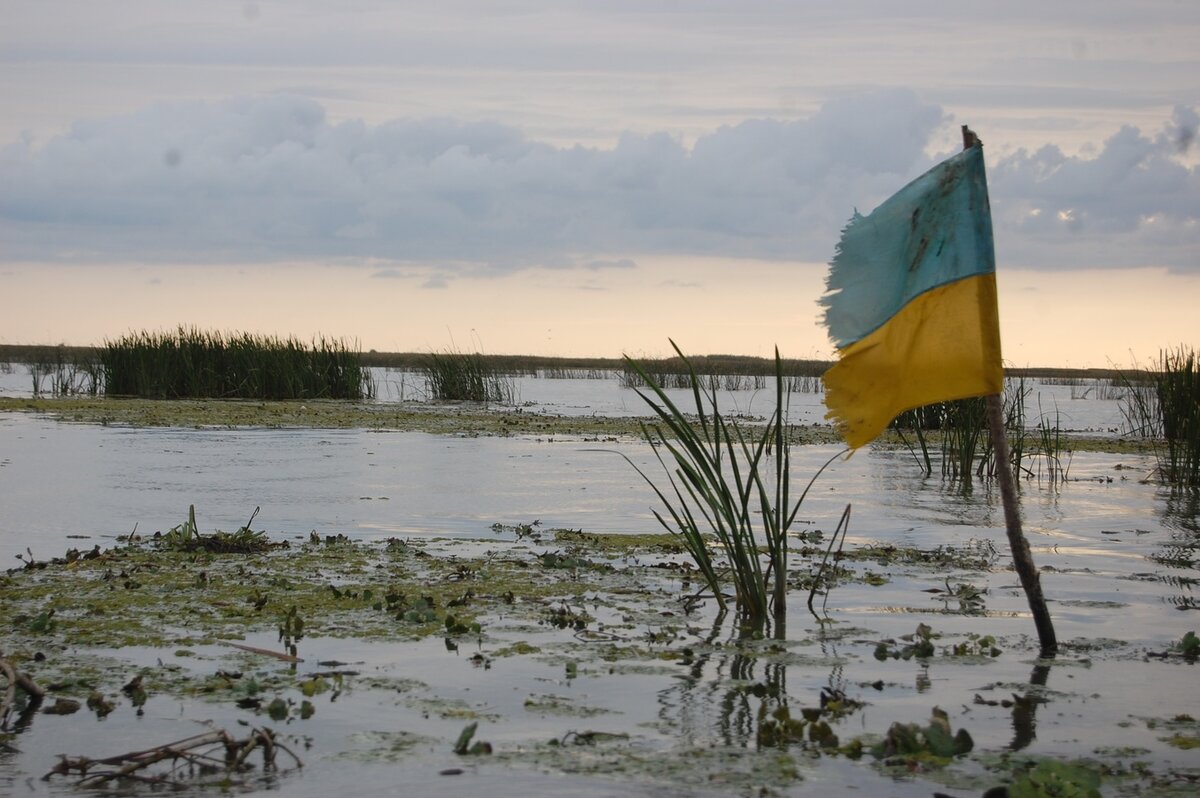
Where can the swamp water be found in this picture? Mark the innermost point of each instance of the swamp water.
(578, 657)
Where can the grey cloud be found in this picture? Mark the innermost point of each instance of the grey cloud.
(261, 178)
(271, 177)
(1135, 203)
(621, 263)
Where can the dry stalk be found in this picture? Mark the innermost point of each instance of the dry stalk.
(16, 679)
(212, 751)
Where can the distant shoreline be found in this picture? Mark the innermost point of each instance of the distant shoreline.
(705, 364)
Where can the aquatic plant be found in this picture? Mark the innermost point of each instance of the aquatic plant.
(931, 745)
(1140, 412)
(463, 745)
(63, 371)
(726, 372)
(1188, 646)
(187, 537)
(1053, 778)
(1177, 384)
(1170, 410)
(958, 429)
(1051, 445)
(465, 376)
(193, 363)
(724, 483)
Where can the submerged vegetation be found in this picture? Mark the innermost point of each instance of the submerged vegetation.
(191, 363)
(409, 619)
(355, 650)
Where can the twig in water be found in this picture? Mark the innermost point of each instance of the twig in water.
(16, 679)
(842, 528)
(266, 652)
(209, 752)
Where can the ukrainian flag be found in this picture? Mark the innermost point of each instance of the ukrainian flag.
(911, 302)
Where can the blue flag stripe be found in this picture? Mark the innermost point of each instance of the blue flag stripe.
(933, 232)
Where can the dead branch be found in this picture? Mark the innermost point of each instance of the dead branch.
(210, 752)
(265, 652)
(16, 679)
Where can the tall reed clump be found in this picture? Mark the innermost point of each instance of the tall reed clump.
(465, 376)
(1170, 410)
(959, 429)
(193, 363)
(60, 371)
(727, 372)
(1178, 385)
(729, 486)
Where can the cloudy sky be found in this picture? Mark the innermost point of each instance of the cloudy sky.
(584, 178)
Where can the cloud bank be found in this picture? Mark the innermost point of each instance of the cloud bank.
(270, 178)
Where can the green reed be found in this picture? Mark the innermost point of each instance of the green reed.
(729, 486)
(961, 431)
(466, 376)
(958, 430)
(1164, 406)
(1178, 385)
(191, 363)
(726, 372)
(1177, 397)
(64, 371)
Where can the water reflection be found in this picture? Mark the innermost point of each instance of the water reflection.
(1024, 708)
(1180, 515)
(735, 693)
(1181, 511)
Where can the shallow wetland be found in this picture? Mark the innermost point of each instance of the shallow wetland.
(450, 568)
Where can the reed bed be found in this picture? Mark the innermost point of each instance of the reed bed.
(191, 363)
(63, 371)
(723, 372)
(466, 376)
(1103, 389)
(565, 373)
(1178, 388)
(1167, 408)
(958, 429)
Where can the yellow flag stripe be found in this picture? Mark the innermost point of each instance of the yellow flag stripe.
(943, 345)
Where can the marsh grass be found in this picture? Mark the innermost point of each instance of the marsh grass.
(723, 372)
(59, 371)
(1178, 388)
(957, 431)
(1166, 407)
(726, 485)
(466, 376)
(188, 538)
(1050, 448)
(965, 447)
(190, 363)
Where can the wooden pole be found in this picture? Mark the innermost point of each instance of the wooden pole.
(1022, 558)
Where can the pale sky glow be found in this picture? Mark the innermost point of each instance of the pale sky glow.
(575, 178)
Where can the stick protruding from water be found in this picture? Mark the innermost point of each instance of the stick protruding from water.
(1022, 558)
